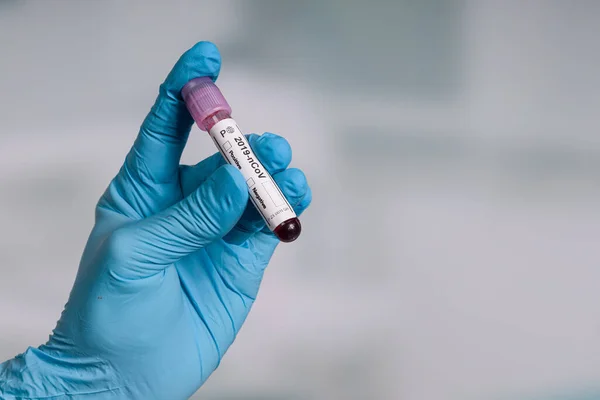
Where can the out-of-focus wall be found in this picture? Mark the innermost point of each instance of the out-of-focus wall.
(453, 147)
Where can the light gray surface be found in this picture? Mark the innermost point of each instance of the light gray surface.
(451, 251)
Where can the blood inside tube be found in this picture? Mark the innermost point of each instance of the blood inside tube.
(289, 230)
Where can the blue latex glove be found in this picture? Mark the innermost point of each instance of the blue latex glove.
(160, 295)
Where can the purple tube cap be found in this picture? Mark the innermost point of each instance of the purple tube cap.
(203, 98)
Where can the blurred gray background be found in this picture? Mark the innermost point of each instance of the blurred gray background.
(453, 147)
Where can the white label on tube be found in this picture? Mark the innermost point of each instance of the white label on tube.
(264, 193)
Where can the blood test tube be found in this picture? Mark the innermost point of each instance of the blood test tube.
(212, 113)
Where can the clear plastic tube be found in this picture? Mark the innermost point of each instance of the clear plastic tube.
(212, 113)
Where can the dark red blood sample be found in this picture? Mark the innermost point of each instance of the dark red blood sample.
(289, 230)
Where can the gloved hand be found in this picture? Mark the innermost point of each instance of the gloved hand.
(170, 271)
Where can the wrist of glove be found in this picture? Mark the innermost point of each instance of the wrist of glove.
(41, 373)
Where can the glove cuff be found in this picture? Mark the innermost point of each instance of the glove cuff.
(37, 374)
